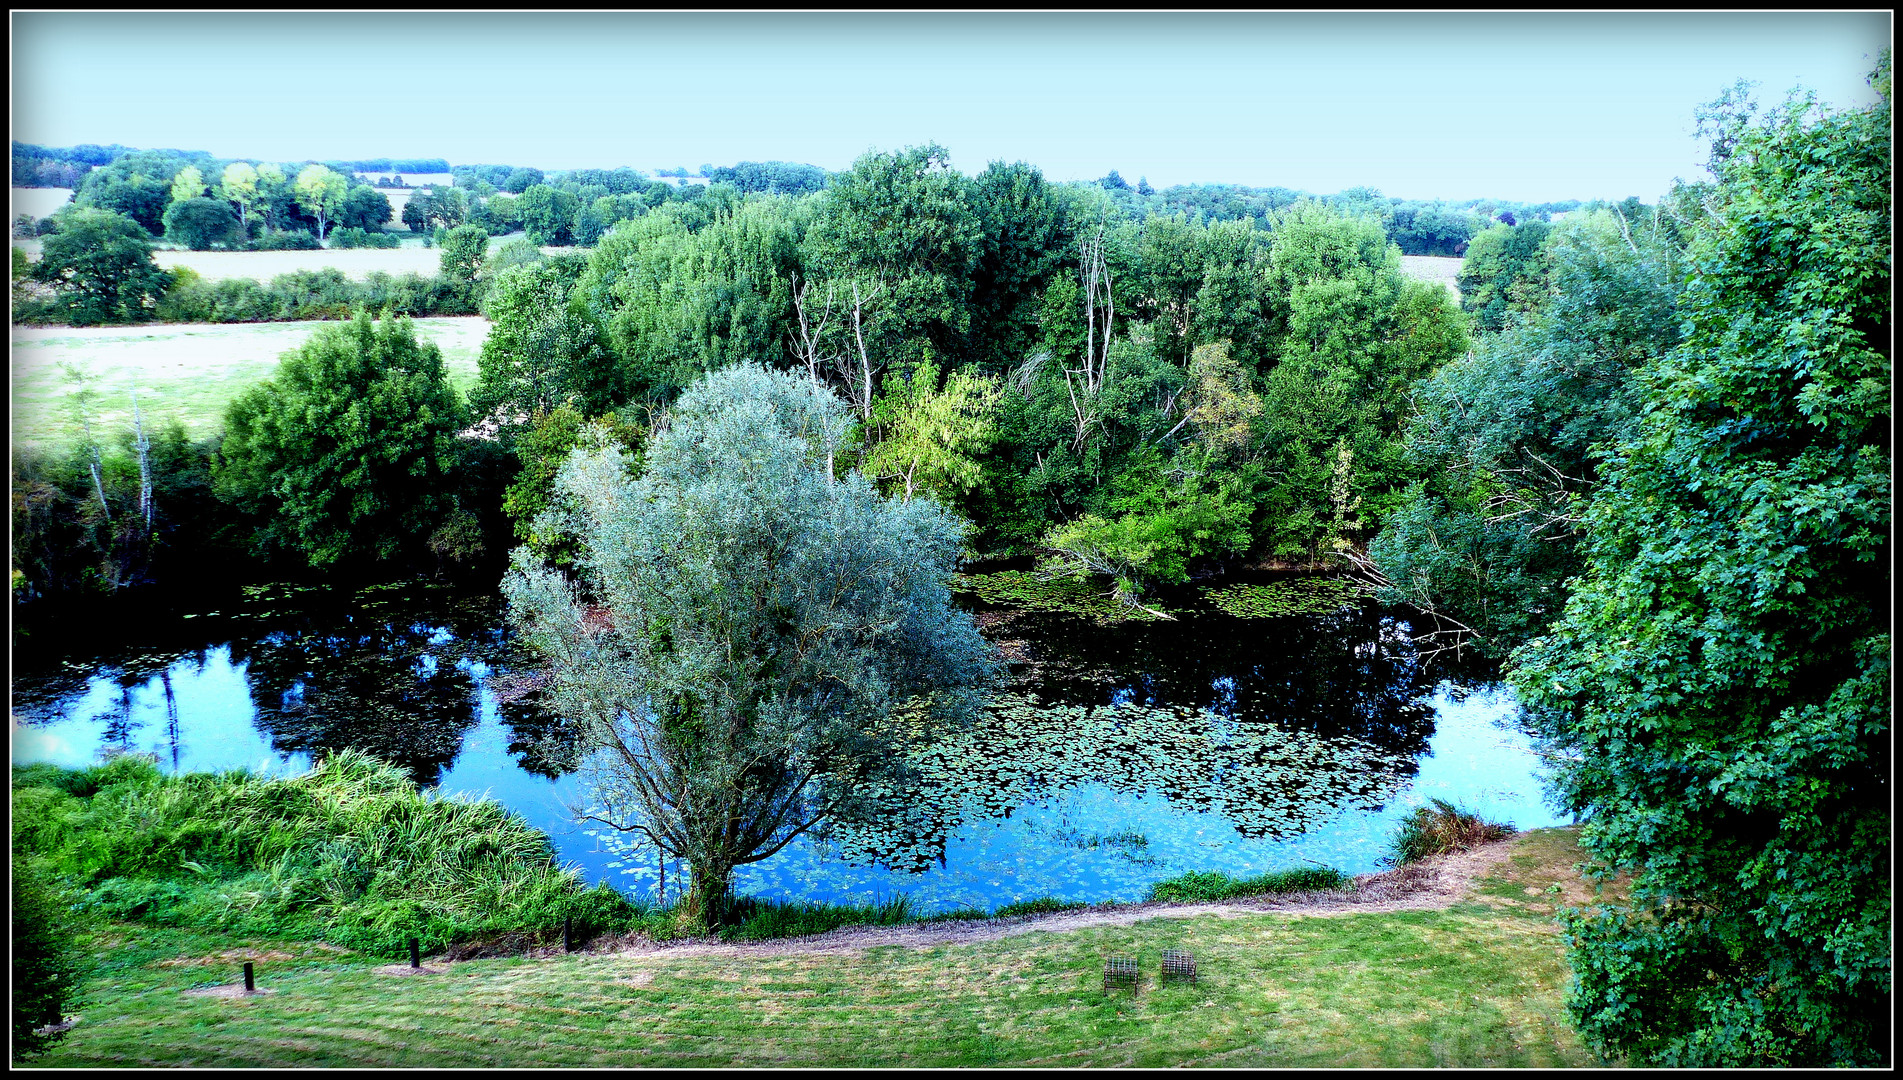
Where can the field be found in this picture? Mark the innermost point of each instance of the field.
(1478, 982)
(1432, 268)
(185, 370)
(38, 202)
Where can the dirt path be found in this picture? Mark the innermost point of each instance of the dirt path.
(1428, 885)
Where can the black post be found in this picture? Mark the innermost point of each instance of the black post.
(416, 958)
(568, 935)
(249, 984)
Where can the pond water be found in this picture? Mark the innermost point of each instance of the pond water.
(1116, 757)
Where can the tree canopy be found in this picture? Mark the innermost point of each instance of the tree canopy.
(340, 457)
(746, 633)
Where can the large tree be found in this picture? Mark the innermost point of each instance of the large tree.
(320, 193)
(749, 639)
(1720, 680)
(198, 223)
(100, 266)
(342, 455)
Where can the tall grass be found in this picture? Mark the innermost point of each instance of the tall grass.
(1194, 886)
(1441, 829)
(351, 852)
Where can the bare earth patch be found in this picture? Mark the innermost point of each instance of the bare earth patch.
(229, 956)
(228, 992)
(405, 969)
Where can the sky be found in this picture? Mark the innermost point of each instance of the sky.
(1527, 107)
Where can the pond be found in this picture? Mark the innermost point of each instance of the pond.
(1117, 755)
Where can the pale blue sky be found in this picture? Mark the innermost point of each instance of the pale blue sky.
(1516, 106)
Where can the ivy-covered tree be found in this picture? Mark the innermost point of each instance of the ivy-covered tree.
(1720, 681)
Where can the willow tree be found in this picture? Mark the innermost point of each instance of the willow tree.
(748, 641)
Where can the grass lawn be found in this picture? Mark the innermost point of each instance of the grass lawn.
(1480, 984)
(187, 370)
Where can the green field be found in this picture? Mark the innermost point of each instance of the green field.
(1478, 984)
(188, 370)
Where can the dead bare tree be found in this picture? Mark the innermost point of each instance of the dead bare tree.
(809, 337)
(144, 447)
(859, 370)
(1094, 270)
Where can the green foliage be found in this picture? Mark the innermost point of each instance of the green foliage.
(1153, 546)
(544, 349)
(1199, 887)
(548, 214)
(1502, 274)
(1351, 337)
(929, 436)
(350, 853)
(100, 267)
(743, 616)
(364, 208)
(683, 293)
(463, 250)
(1504, 439)
(320, 193)
(199, 223)
(343, 455)
(1307, 596)
(1442, 829)
(1720, 677)
(49, 957)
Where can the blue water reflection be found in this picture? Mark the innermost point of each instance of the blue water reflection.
(416, 680)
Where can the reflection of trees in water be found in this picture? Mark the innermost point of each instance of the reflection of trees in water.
(395, 679)
(1354, 673)
(391, 689)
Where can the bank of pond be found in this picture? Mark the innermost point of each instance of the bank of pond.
(364, 766)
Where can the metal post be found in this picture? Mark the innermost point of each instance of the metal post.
(416, 958)
(249, 984)
(568, 935)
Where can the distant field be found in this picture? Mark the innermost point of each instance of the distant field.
(414, 179)
(38, 201)
(1432, 268)
(355, 263)
(190, 371)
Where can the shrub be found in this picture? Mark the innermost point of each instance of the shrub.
(1215, 885)
(48, 956)
(1440, 829)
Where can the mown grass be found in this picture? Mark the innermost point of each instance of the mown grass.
(187, 371)
(1478, 985)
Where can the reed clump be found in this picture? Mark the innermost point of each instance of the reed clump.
(1441, 829)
